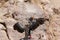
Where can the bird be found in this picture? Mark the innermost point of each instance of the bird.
(32, 26)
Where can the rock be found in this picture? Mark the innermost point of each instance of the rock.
(1, 20)
(40, 33)
(24, 12)
(55, 24)
(13, 11)
(3, 35)
(3, 11)
(2, 27)
(10, 22)
(45, 1)
(14, 35)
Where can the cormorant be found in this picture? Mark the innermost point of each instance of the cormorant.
(34, 23)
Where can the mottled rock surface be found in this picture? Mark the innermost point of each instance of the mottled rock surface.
(3, 35)
(13, 11)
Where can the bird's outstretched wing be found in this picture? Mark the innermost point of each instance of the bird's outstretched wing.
(18, 27)
(33, 24)
(37, 22)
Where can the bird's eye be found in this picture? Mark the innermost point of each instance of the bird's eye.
(30, 18)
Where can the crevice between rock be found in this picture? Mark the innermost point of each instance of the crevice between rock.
(5, 29)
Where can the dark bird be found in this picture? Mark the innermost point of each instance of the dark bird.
(34, 23)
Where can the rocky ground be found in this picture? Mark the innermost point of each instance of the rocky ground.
(13, 11)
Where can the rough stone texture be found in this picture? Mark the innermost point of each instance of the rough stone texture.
(2, 27)
(3, 35)
(12, 11)
(14, 35)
